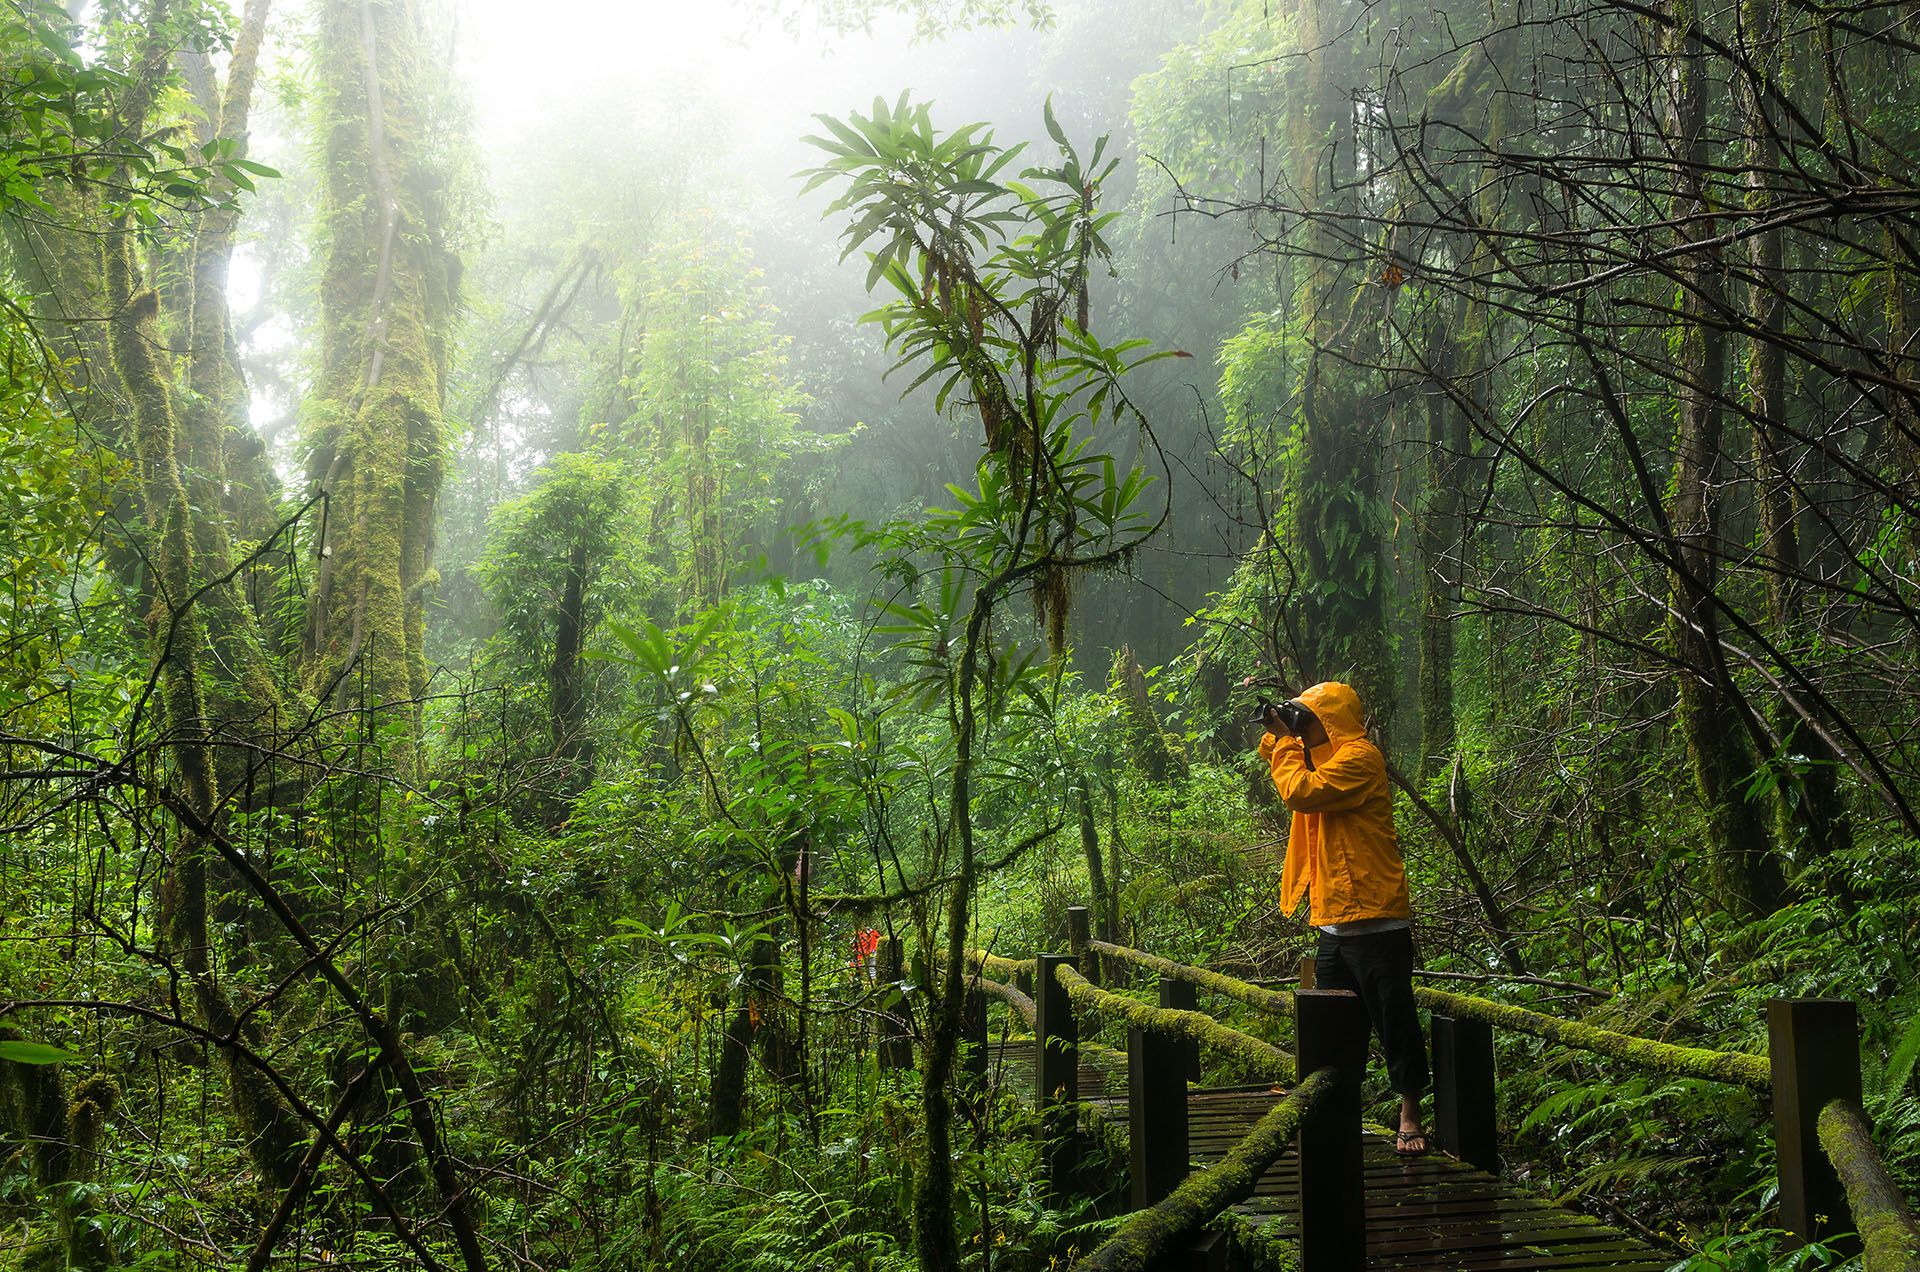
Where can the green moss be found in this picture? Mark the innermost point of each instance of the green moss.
(94, 1099)
(1151, 748)
(1263, 1057)
(1880, 1214)
(1001, 966)
(1008, 995)
(1149, 1233)
(1732, 1067)
(1263, 1249)
(1281, 1004)
(387, 300)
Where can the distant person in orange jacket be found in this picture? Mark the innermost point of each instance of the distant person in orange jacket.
(1343, 854)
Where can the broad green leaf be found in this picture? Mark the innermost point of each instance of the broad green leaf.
(22, 1052)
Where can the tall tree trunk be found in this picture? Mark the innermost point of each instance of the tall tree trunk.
(728, 1100)
(567, 703)
(1334, 522)
(221, 439)
(387, 298)
(176, 637)
(1460, 347)
(934, 1239)
(1149, 745)
(1746, 874)
(228, 479)
(1809, 807)
(1103, 907)
(1441, 539)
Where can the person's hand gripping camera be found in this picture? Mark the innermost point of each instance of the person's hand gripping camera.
(1288, 719)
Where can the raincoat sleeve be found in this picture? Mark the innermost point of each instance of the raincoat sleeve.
(1343, 781)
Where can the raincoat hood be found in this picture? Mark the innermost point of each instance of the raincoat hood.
(1338, 708)
(1342, 852)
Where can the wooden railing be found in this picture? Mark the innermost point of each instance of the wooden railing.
(1832, 1181)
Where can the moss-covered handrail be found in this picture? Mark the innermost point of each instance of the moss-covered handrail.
(1736, 1068)
(1148, 1233)
(1267, 1059)
(1006, 994)
(1279, 1003)
(1888, 1233)
(1002, 967)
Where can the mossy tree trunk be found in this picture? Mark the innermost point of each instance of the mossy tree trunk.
(1105, 909)
(387, 300)
(58, 1134)
(1335, 522)
(224, 462)
(1713, 717)
(1809, 807)
(567, 703)
(1458, 347)
(1147, 741)
(223, 451)
(176, 637)
(178, 601)
(728, 1099)
(1440, 540)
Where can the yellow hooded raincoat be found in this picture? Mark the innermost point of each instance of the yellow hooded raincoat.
(1342, 850)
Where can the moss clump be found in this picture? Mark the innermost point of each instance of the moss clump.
(1732, 1067)
(1264, 1057)
(1263, 1249)
(1148, 1234)
(1151, 748)
(1880, 1214)
(1008, 995)
(1281, 1004)
(94, 1100)
(1001, 966)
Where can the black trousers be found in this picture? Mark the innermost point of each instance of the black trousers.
(1378, 966)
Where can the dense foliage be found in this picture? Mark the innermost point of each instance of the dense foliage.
(528, 666)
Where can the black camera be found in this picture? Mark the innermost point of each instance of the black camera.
(1295, 716)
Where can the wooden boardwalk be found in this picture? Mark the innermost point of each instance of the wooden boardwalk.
(1427, 1212)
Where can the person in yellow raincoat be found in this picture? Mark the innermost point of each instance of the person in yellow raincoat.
(1344, 857)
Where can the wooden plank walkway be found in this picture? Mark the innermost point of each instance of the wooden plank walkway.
(1428, 1212)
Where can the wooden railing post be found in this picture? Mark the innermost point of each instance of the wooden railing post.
(1056, 1066)
(973, 1069)
(1463, 1112)
(1331, 1028)
(1813, 1046)
(1156, 1113)
(896, 1026)
(1079, 933)
(1182, 996)
(1307, 974)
